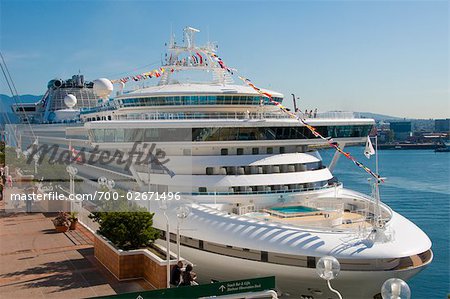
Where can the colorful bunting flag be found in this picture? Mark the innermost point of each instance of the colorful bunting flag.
(313, 130)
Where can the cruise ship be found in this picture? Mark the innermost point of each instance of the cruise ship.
(261, 202)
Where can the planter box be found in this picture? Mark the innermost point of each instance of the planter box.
(61, 228)
(73, 225)
(139, 263)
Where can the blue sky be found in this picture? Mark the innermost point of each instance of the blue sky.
(382, 57)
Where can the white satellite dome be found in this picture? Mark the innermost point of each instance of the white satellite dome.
(103, 87)
(70, 100)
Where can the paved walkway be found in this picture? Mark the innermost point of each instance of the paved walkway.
(37, 262)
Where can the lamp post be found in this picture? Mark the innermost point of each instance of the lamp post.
(163, 207)
(72, 173)
(36, 159)
(182, 213)
(395, 288)
(328, 268)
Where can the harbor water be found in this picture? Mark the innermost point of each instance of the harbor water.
(418, 187)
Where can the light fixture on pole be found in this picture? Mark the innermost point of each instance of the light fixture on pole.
(395, 288)
(103, 181)
(110, 184)
(183, 212)
(328, 268)
(163, 207)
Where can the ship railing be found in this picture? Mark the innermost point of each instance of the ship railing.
(183, 116)
(265, 191)
(336, 115)
(230, 115)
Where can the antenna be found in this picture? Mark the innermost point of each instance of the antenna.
(172, 37)
(295, 104)
(189, 34)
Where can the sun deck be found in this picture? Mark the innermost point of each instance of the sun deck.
(335, 219)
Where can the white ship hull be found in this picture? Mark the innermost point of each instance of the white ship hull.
(291, 281)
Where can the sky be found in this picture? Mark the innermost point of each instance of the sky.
(388, 57)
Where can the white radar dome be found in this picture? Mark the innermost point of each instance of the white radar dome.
(103, 87)
(70, 100)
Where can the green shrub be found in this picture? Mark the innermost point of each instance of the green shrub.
(126, 226)
(128, 230)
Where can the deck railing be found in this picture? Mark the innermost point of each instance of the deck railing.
(266, 191)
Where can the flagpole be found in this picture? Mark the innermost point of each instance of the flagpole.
(376, 153)
(377, 184)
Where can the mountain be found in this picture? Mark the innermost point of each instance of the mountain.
(377, 117)
(6, 115)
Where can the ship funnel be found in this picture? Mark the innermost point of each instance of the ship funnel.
(57, 83)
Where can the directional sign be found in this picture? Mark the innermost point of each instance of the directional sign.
(205, 290)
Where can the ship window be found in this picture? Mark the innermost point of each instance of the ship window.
(98, 135)
(202, 189)
(264, 256)
(224, 151)
(310, 262)
(255, 151)
(240, 151)
(209, 170)
(109, 135)
(119, 135)
(282, 149)
(269, 150)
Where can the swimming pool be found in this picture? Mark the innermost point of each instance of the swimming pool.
(293, 209)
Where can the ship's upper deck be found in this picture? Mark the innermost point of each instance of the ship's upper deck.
(179, 89)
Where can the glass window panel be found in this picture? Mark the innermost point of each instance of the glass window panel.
(109, 135)
(119, 135)
(99, 135)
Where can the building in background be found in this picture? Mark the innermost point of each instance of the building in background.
(442, 125)
(401, 129)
